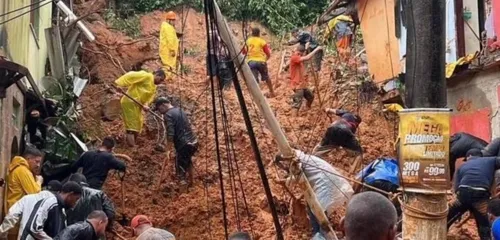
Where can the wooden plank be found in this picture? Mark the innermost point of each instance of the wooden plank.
(379, 36)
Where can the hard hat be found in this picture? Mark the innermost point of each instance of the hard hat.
(171, 15)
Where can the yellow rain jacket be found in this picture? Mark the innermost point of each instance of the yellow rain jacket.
(169, 48)
(142, 88)
(332, 23)
(20, 182)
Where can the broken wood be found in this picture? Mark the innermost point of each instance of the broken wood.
(118, 235)
(316, 86)
(162, 173)
(274, 126)
(280, 69)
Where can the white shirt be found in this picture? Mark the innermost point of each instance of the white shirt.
(21, 210)
(331, 190)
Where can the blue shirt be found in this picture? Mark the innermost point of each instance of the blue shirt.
(495, 229)
(477, 172)
(381, 169)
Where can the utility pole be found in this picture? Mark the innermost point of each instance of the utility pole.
(424, 217)
(275, 128)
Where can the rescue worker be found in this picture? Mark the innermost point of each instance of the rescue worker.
(298, 77)
(472, 185)
(142, 87)
(96, 164)
(330, 190)
(369, 216)
(23, 179)
(306, 40)
(212, 57)
(93, 228)
(460, 144)
(180, 132)
(21, 210)
(144, 230)
(492, 149)
(341, 133)
(47, 218)
(340, 28)
(258, 52)
(169, 44)
(91, 200)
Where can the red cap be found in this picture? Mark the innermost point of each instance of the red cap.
(139, 220)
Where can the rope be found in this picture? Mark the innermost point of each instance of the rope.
(351, 179)
(209, 17)
(228, 157)
(258, 158)
(417, 213)
(207, 193)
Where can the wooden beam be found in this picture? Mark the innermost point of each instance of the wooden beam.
(459, 6)
(283, 145)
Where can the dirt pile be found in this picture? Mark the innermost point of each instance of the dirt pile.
(197, 212)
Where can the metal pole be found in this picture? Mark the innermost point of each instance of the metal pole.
(260, 100)
(425, 88)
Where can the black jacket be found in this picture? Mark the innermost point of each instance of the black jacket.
(78, 231)
(493, 149)
(96, 165)
(179, 128)
(460, 144)
(90, 201)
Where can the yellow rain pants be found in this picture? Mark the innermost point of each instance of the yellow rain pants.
(142, 88)
(169, 48)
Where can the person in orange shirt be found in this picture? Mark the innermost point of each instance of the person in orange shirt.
(258, 52)
(298, 77)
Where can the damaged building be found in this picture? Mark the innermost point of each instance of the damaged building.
(473, 73)
(38, 44)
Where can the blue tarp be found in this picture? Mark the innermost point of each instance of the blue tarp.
(381, 169)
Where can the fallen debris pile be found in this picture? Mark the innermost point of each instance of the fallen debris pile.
(196, 213)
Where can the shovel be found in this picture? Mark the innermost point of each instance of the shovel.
(118, 235)
(124, 221)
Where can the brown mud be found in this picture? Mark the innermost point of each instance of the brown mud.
(192, 213)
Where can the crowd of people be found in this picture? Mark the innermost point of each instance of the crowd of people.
(77, 208)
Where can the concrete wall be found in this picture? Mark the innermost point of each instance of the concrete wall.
(12, 110)
(18, 44)
(471, 28)
(475, 100)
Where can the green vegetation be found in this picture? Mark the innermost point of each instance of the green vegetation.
(130, 25)
(278, 15)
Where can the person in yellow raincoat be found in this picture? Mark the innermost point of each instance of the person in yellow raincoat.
(21, 180)
(169, 45)
(340, 29)
(141, 87)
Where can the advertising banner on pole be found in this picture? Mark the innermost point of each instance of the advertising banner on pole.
(424, 146)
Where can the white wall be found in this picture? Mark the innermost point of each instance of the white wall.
(451, 40)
